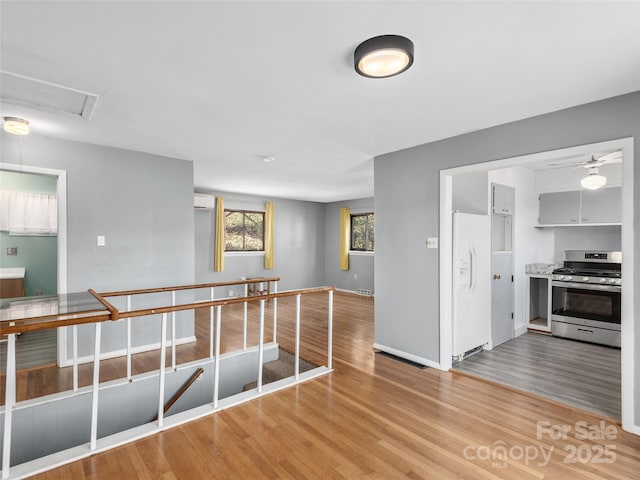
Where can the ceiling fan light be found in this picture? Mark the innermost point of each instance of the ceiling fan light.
(16, 126)
(383, 56)
(593, 181)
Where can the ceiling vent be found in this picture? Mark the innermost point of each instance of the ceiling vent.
(30, 92)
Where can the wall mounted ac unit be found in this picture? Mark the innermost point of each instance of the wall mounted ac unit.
(203, 201)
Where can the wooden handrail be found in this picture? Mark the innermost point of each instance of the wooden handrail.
(189, 287)
(180, 392)
(54, 321)
(115, 315)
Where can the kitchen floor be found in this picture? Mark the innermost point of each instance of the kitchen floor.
(579, 374)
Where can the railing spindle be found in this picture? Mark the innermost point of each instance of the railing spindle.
(9, 402)
(244, 337)
(260, 346)
(297, 348)
(275, 311)
(129, 376)
(330, 332)
(96, 386)
(163, 346)
(211, 326)
(173, 332)
(216, 367)
(74, 341)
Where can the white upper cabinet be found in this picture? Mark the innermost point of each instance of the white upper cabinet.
(504, 200)
(559, 208)
(602, 206)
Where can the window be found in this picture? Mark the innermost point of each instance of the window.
(244, 231)
(362, 232)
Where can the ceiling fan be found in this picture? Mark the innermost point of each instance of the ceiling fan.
(593, 180)
(596, 160)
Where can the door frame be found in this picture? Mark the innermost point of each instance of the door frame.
(627, 327)
(61, 191)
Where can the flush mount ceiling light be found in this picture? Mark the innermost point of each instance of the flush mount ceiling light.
(383, 56)
(594, 180)
(16, 126)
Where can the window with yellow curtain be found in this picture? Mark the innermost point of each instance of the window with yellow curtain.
(268, 236)
(345, 233)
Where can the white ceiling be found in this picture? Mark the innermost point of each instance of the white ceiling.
(226, 83)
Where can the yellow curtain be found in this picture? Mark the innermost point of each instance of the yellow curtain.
(268, 236)
(345, 232)
(218, 259)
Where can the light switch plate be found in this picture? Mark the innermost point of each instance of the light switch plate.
(12, 250)
(432, 242)
(101, 241)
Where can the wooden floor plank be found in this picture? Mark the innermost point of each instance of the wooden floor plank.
(373, 417)
(584, 375)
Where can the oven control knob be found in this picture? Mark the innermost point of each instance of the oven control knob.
(568, 278)
(585, 279)
(603, 280)
(612, 280)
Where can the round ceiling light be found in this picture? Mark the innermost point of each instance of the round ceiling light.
(593, 181)
(383, 56)
(16, 126)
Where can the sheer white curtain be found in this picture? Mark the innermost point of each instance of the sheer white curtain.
(28, 213)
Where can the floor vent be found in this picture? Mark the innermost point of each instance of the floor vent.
(364, 292)
(400, 359)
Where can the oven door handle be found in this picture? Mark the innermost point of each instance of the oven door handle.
(587, 286)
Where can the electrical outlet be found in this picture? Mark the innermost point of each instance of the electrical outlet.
(355, 276)
(432, 242)
(231, 292)
(12, 250)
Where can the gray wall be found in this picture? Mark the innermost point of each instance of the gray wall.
(38, 254)
(360, 265)
(407, 211)
(471, 192)
(298, 244)
(586, 238)
(141, 203)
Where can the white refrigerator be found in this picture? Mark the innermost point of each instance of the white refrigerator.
(471, 281)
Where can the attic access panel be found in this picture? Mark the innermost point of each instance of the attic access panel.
(41, 95)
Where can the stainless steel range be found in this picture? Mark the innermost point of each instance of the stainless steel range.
(586, 297)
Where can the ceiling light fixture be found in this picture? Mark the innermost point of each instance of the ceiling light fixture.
(594, 180)
(16, 126)
(268, 159)
(383, 56)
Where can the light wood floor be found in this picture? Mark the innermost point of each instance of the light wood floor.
(374, 418)
(576, 373)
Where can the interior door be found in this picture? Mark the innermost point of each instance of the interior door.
(501, 298)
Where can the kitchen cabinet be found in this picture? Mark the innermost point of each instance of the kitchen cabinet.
(560, 208)
(586, 207)
(12, 282)
(538, 305)
(504, 200)
(602, 205)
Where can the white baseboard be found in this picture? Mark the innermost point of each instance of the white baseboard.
(521, 330)
(120, 353)
(408, 356)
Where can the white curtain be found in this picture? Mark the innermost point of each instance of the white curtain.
(28, 213)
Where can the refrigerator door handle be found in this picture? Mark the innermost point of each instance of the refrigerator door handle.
(472, 269)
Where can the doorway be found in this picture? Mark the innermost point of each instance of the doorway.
(60, 177)
(628, 338)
